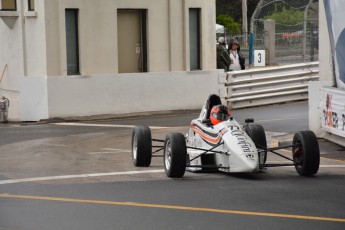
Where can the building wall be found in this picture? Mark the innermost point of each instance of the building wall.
(33, 47)
(168, 44)
(11, 58)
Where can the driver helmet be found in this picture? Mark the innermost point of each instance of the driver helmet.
(219, 113)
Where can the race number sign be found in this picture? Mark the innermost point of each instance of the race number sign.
(259, 58)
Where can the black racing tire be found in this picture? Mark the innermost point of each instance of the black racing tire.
(141, 146)
(258, 136)
(306, 153)
(175, 155)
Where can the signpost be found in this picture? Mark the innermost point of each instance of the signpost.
(259, 58)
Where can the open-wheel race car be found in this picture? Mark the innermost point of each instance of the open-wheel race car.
(227, 147)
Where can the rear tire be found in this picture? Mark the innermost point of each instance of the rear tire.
(141, 146)
(306, 153)
(175, 155)
(258, 136)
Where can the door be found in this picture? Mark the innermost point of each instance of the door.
(131, 36)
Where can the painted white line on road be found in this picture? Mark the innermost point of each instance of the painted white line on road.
(288, 162)
(53, 145)
(95, 153)
(35, 179)
(4, 158)
(110, 151)
(104, 125)
(332, 166)
(122, 150)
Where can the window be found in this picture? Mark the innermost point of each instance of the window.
(31, 5)
(8, 5)
(72, 44)
(194, 39)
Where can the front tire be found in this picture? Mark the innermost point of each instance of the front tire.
(258, 136)
(141, 146)
(175, 153)
(306, 153)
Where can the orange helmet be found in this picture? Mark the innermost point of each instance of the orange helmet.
(219, 113)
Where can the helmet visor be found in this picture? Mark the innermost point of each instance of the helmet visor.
(220, 116)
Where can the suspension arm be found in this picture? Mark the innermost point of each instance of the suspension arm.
(158, 140)
(207, 166)
(212, 151)
(206, 151)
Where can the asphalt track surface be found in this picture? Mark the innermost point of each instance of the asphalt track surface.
(80, 176)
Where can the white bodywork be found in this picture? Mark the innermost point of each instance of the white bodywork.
(237, 152)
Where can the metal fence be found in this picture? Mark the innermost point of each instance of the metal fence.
(270, 85)
(294, 43)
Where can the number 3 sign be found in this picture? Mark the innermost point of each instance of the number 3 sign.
(259, 58)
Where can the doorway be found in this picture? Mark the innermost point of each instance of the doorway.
(132, 42)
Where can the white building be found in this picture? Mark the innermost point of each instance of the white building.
(66, 58)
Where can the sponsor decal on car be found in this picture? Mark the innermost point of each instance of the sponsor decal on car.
(242, 141)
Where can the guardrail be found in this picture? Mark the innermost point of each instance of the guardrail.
(256, 87)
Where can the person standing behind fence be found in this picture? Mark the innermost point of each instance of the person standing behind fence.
(223, 59)
(237, 60)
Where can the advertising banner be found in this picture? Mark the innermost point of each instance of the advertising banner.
(333, 110)
(336, 26)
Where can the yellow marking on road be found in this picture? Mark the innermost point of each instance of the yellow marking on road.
(185, 208)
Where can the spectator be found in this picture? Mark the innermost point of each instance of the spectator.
(237, 61)
(223, 59)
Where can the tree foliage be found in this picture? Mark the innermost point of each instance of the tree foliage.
(233, 8)
(229, 23)
(287, 16)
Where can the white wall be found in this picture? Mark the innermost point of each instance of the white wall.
(11, 59)
(75, 96)
(34, 99)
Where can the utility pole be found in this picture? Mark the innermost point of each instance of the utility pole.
(244, 22)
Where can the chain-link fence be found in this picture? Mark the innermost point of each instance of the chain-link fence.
(296, 29)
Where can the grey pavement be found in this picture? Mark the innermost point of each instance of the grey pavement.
(54, 174)
(328, 149)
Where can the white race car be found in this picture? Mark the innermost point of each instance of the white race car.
(228, 147)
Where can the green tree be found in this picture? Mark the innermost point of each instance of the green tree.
(234, 9)
(229, 23)
(287, 16)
